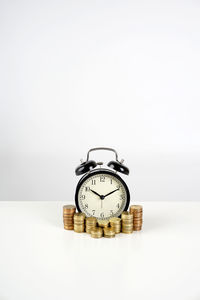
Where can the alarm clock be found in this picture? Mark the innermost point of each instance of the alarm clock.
(101, 192)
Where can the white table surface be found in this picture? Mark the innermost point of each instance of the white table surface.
(41, 260)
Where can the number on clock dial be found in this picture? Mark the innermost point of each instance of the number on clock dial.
(94, 201)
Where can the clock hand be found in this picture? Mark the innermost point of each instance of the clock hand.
(111, 193)
(95, 193)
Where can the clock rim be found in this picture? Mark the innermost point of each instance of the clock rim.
(101, 171)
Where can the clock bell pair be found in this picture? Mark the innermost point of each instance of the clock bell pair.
(101, 192)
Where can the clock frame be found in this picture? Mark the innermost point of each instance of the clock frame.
(99, 172)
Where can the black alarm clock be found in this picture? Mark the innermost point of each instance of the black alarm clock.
(101, 192)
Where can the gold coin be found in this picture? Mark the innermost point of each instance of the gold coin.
(103, 223)
(125, 213)
(136, 208)
(91, 220)
(90, 226)
(68, 214)
(96, 236)
(109, 236)
(79, 216)
(79, 229)
(127, 225)
(137, 219)
(137, 229)
(136, 213)
(115, 225)
(127, 216)
(109, 232)
(124, 221)
(69, 209)
(96, 232)
(116, 229)
(115, 220)
(88, 230)
(79, 225)
(69, 227)
(67, 222)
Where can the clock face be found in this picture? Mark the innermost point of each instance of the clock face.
(103, 195)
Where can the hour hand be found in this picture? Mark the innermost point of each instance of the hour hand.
(95, 193)
(110, 193)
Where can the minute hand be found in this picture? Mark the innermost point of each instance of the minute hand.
(110, 193)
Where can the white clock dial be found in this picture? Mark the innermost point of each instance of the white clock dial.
(102, 196)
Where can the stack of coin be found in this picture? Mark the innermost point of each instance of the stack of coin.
(115, 223)
(127, 222)
(90, 223)
(103, 223)
(137, 212)
(97, 232)
(68, 216)
(109, 232)
(79, 222)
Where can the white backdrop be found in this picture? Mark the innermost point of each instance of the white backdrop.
(82, 74)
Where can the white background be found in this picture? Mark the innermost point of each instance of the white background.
(81, 74)
(40, 260)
